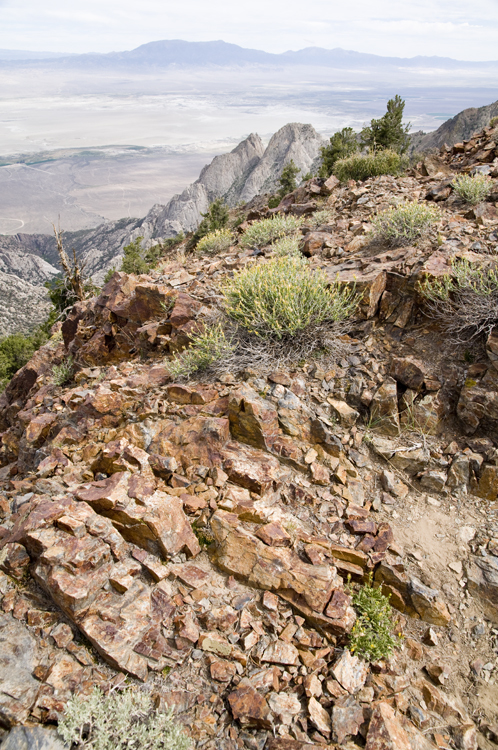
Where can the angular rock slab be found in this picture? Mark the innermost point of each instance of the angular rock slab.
(273, 568)
(33, 738)
(125, 628)
(385, 731)
(18, 687)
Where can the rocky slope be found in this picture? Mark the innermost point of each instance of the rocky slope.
(459, 128)
(384, 464)
(237, 176)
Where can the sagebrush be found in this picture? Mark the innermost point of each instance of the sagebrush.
(124, 720)
(265, 231)
(372, 636)
(323, 216)
(402, 225)
(373, 164)
(215, 242)
(206, 349)
(465, 300)
(284, 296)
(473, 188)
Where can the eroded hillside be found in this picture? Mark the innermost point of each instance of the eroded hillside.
(204, 539)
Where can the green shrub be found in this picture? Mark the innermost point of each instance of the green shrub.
(287, 179)
(473, 189)
(287, 245)
(283, 297)
(402, 225)
(137, 260)
(465, 301)
(119, 721)
(215, 242)
(64, 372)
(324, 216)
(372, 635)
(16, 350)
(493, 122)
(206, 349)
(342, 144)
(216, 217)
(262, 232)
(373, 164)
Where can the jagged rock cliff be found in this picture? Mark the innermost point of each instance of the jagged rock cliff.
(459, 128)
(24, 305)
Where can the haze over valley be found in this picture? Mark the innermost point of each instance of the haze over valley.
(100, 137)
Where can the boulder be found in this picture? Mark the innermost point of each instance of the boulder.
(384, 408)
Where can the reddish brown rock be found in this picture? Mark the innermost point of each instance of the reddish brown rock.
(409, 371)
(249, 707)
(252, 419)
(385, 731)
(347, 718)
(274, 535)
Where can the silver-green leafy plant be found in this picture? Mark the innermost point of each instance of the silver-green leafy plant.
(375, 163)
(287, 246)
(323, 216)
(465, 300)
(64, 372)
(215, 242)
(265, 231)
(284, 296)
(404, 224)
(473, 189)
(206, 349)
(125, 720)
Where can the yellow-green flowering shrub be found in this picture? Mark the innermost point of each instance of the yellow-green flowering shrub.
(215, 242)
(262, 233)
(402, 225)
(473, 189)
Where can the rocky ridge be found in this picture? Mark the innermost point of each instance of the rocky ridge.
(245, 172)
(199, 537)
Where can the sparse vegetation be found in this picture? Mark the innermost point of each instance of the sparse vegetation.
(124, 720)
(216, 217)
(342, 144)
(473, 189)
(465, 301)
(372, 636)
(265, 231)
(323, 216)
(137, 260)
(373, 164)
(283, 297)
(64, 372)
(287, 179)
(287, 245)
(402, 225)
(493, 122)
(388, 132)
(16, 350)
(206, 349)
(215, 242)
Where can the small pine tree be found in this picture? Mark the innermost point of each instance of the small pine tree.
(287, 179)
(388, 132)
(342, 144)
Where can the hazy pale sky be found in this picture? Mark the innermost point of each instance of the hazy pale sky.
(450, 28)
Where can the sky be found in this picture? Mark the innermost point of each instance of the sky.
(449, 28)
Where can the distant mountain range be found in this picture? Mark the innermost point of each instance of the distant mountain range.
(178, 53)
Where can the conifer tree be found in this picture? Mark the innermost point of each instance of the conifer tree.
(342, 144)
(287, 179)
(388, 131)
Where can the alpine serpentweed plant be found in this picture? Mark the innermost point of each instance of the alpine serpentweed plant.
(375, 163)
(372, 636)
(262, 233)
(206, 349)
(284, 297)
(124, 720)
(465, 300)
(215, 242)
(473, 189)
(402, 225)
